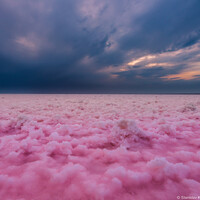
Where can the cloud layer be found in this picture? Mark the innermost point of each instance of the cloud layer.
(80, 46)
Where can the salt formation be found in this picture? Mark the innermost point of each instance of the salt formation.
(95, 147)
(128, 134)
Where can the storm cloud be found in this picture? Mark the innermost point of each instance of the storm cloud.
(99, 46)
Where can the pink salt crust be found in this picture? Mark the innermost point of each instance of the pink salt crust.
(96, 147)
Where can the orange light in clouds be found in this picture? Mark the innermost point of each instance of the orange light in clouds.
(183, 76)
(123, 70)
(141, 59)
(159, 65)
(27, 43)
(114, 76)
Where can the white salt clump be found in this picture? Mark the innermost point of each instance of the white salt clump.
(52, 147)
(129, 178)
(66, 148)
(185, 155)
(55, 136)
(117, 183)
(167, 129)
(35, 134)
(64, 130)
(13, 155)
(80, 150)
(188, 107)
(127, 132)
(161, 168)
(4, 125)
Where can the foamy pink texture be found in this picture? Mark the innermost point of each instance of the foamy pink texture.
(78, 147)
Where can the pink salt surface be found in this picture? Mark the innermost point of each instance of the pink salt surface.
(95, 147)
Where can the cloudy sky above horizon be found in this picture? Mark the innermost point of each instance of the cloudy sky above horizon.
(142, 46)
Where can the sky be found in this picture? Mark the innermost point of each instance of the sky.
(93, 46)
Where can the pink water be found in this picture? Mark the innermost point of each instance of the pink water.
(95, 147)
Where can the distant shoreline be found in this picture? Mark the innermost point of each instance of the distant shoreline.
(99, 93)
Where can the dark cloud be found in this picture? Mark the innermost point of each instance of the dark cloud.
(58, 45)
(150, 74)
(169, 25)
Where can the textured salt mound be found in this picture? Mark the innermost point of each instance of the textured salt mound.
(188, 107)
(127, 133)
(77, 147)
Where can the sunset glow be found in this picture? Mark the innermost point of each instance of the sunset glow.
(184, 76)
